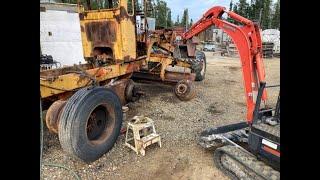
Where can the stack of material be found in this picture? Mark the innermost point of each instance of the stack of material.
(272, 36)
(267, 48)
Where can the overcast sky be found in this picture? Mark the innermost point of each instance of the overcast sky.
(196, 7)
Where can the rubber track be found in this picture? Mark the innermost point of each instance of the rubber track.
(249, 161)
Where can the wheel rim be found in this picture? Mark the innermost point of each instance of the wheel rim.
(182, 89)
(100, 124)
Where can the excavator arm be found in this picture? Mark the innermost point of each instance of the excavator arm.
(248, 42)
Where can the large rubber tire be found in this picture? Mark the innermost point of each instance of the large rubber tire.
(199, 66)
(185, 90)
(95, 103)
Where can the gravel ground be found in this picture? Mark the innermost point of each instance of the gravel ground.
(219, 101)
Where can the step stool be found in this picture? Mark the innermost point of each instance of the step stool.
(141, 133)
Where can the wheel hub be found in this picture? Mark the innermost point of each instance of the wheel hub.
(96, 123)
(182, 88)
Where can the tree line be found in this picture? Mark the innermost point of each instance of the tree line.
(266, 13)
(262, 11)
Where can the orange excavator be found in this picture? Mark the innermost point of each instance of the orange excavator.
(251, 149)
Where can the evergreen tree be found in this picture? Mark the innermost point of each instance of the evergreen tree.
(177, 23)
(169, 20)
(184, 20)
(265, 21)
(242, 8)
(275, 23)
(150, 8)
(230, 6)
(235, 8)
(161, 13)
(191, 22)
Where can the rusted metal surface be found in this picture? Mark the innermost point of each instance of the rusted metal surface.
(191, 49)
(53, 115)
(119, 88)
(100, 126)
(61, 71)
(176, 76)
(101, 33)
(185, 90)
(109, 28)
(56, 85)
(109, 34)
(171, 77)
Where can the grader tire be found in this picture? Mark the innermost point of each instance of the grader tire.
(90, 123)
(185, 90)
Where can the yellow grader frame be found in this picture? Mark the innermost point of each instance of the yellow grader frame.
(84, 101)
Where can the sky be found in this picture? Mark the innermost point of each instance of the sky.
(196, 7)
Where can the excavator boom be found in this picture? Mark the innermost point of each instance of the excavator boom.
(248, 42)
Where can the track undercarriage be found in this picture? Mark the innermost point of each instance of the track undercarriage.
(248, 151)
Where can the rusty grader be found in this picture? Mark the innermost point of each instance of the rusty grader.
(84, 101)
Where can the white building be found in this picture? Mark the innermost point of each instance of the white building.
(60, 34)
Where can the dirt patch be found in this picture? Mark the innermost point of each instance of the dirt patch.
(168, 118)
(229, 81)
(241, 103)
(234, 68)
(170, 99)
(213, 110)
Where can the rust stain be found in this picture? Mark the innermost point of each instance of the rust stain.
(132, 67)
(53, 115)
(119, 88)
(102, 33)
(124, 15)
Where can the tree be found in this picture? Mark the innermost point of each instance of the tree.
(169, 20)
(259, 5)
(265, 24)
(275, 22)
(253, 9)
(191, 22)
(151, 11)
(242, 8)
(161, 13)
(177, 23)
(230, 6)
(184, 20)
(235, 8)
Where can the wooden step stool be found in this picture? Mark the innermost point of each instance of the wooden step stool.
(140, 134)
